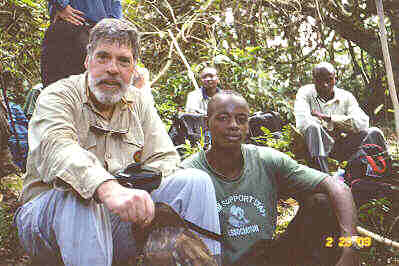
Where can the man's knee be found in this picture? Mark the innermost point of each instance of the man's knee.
(375, 132)
(317, 201)
(313, 128)
(194, 178)
(319, 209)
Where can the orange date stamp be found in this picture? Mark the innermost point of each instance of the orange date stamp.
(347, 241)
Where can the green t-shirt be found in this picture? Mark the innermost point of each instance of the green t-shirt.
(247, 206)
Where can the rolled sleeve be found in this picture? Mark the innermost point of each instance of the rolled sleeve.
(296, 178)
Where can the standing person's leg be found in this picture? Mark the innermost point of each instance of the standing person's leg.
(58, 228)
(63, 51)
(190, 193)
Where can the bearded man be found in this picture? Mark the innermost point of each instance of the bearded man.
(84, 129)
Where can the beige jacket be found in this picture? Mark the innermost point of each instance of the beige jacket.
(65, 152)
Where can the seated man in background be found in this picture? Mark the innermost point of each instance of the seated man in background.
(248, 180)
(84, 129)
(197, 100)
(331, 120)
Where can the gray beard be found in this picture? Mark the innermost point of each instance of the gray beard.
(109, 97)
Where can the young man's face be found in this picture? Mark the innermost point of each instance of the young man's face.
(209, 78)
(324, 82)
(110, 68)
(228, 121)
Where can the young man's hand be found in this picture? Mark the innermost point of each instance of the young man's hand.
(132, 205)
(70, 15)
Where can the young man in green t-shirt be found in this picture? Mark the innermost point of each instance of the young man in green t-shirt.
(248, 180)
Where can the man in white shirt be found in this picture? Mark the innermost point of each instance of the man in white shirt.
(331, 119)
(197, 100)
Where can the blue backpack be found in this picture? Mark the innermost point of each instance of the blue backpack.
(18, 141)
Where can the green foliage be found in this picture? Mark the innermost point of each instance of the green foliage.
(193, 148)
(22, 25)
(379, 216)
(9, 190)
(281, 143)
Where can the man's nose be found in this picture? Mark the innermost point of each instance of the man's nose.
(112, 66)
(233, 123)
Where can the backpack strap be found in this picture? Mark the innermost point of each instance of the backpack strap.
(379, 157)
(374, 164)
(209, 234)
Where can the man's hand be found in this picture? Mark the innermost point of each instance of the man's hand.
(70, 15)
(348, 258)
(322, 116)
(132, 205)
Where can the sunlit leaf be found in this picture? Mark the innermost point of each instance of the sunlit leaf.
(222, 59)
(378, 109)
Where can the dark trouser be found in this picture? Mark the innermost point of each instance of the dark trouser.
(304, 241)
(63, 51)
(343, 148)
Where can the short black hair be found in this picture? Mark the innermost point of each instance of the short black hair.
(212, 101)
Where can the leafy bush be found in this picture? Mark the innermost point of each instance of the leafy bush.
(381, 217)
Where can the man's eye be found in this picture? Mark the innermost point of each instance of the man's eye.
(102, 58)
(125, 62)
(242, 120)
(222, 118)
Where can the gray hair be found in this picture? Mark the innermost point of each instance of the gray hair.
(114, 30)
(323, 67)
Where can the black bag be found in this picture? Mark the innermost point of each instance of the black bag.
(368, 174)
(187, 126)
(139, 176)
(270, 120)
(370, 162)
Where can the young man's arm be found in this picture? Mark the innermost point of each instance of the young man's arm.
(345, 209)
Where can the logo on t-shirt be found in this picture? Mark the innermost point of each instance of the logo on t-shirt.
(241, 215)
(237, 217)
